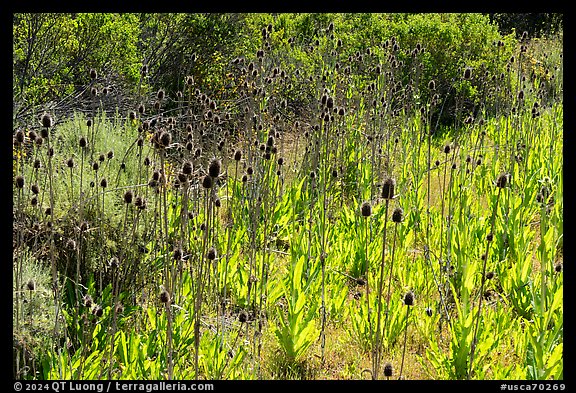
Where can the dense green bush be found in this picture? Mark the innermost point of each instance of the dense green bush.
(53, 54)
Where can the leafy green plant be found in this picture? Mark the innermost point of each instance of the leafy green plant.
(296, 329)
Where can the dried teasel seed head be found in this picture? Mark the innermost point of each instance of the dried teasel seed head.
(19, 181)
(207, 181)
(83, 142)
(388, 369)
(214, 168)
(502, 180)
(47, 121)
(187, 167)
(558, 267)
(366, 209)
(388, 188)
(409, 298)
(87, 301)
(243, 316)
(164, 296)
(97, 310)
(398, 215)
(211, 254)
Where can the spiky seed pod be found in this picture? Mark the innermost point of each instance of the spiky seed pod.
(558, 267)
(490, 237)
(447, 149)
(110, 154)
(187, 168)
(94, 92)
(280, 161)
(366, 209)
(140, 202)
(214, 168)
(84, 226)
(165, 138)
(101, 157)
(489, 275)
(34, 201)
(160, 95)
(270, 141)
(104, 183)
(19, 181)
(388, 370)
(87, 301)
(244, 178)
(249, 171)
(35, 189)
(31, 285)
(432, 85)
(243, 316)
(95, 166)
(467, 73)
(37, 164)
(47, 121)
(20, 136)
(71, 244)
(207, 181)
(409, 298)
(211, 254)
(83, 142)
(428, 311)
(398, 215)
(237, 155)
(97, 310)
(93, 74)
(164, 296)
(388, 188)
(114, 262)
(177, 254)
(502, 180)
(70, 163)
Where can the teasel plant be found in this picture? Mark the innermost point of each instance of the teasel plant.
(397, 218)
(366, 211)
(409, 302)
(48, 123)
(388, 194)
(208, 254)
(501, 183)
